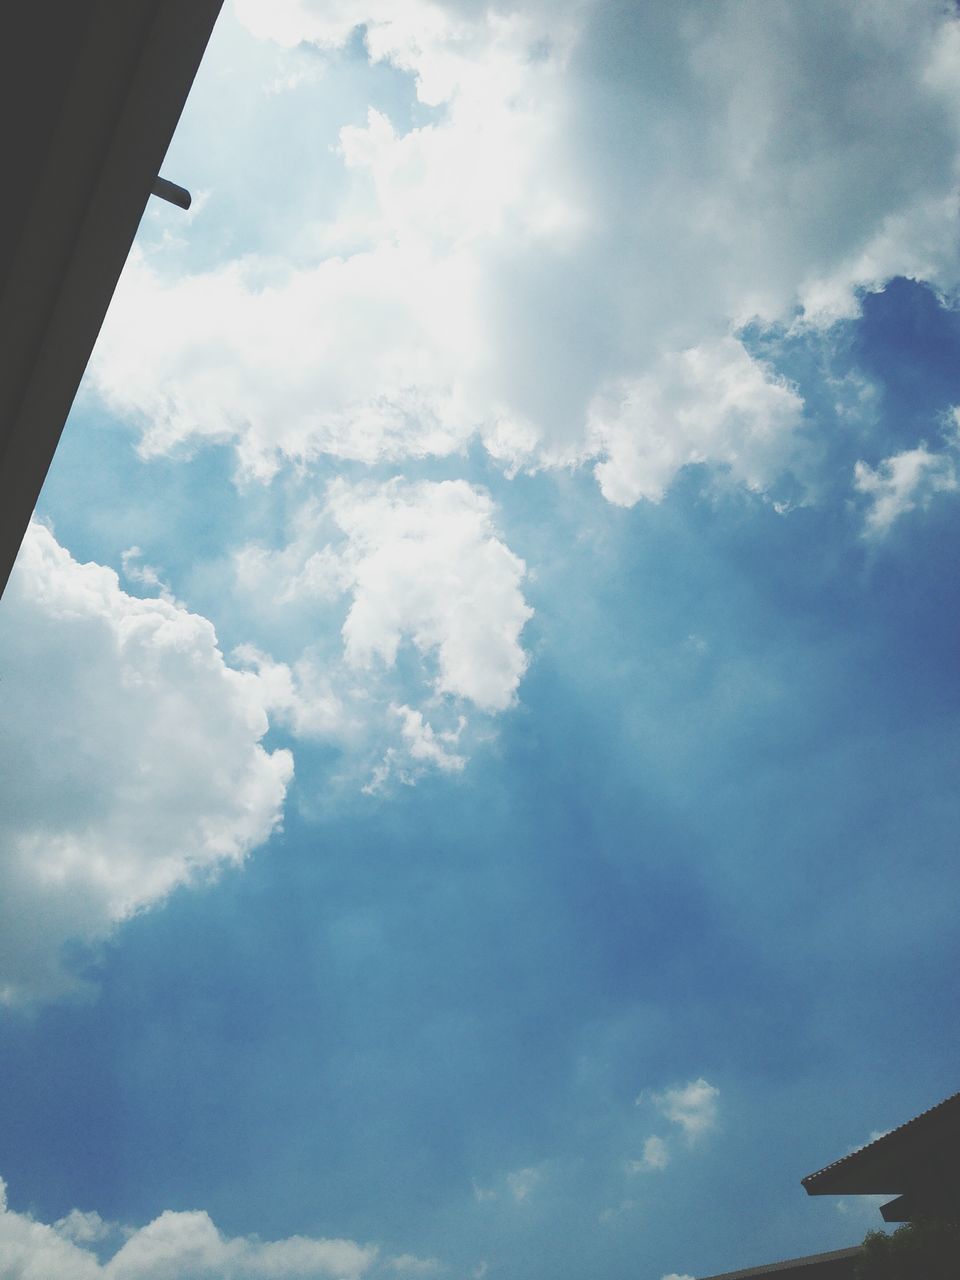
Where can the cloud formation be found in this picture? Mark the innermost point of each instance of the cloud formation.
(692, 1106)
(560, 262)
(130, 760)
(174, 1245)
(709, 403)
(903, 482)
(410, 568)
(423, 563)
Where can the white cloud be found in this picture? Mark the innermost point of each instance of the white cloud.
(421, 746)
(355, 357)
(424, 743)
(425, 564)
(130, 760)
(174, 1245)
(396, 567)
(560, 261)
(145, 575)
(83, 1228)
(692, 1106)
(710, 403)
(675, 1275)
(901, 483)
(656, 1155)
(301, 697)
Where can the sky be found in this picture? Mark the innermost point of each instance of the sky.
(481, 701)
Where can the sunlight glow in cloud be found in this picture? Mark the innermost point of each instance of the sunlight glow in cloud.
(560, 263)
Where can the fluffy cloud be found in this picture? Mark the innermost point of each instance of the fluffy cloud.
(397, 566)
(355, 358)
(172, 1246)
(424, 563)
(901, 483)
(692, 1106)
(401, 569)
(560, 261)
(710, 403)
(130, 760)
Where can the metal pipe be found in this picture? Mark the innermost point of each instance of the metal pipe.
(179, 196)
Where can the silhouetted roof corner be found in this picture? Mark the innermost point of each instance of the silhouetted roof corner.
(92, 91)
(889, 1156)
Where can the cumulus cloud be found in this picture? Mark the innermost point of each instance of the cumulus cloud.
(559, 263)
(901, 483)
(82, 1228)
(130, 760)
(301, 697)
(692, 1106)
(173, 1245)
(406, 567)
(709, 403)
(425, 565)
(354, 358)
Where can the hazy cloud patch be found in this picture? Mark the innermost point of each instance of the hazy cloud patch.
(656, 1155)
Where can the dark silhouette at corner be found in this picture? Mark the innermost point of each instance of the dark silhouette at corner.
(90, 94)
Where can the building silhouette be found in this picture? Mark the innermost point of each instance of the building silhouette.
(90, 94)
(918, 1162)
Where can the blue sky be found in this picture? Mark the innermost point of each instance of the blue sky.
(480, 725)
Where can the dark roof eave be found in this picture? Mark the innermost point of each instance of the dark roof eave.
(91, 103)
(882, 1167)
